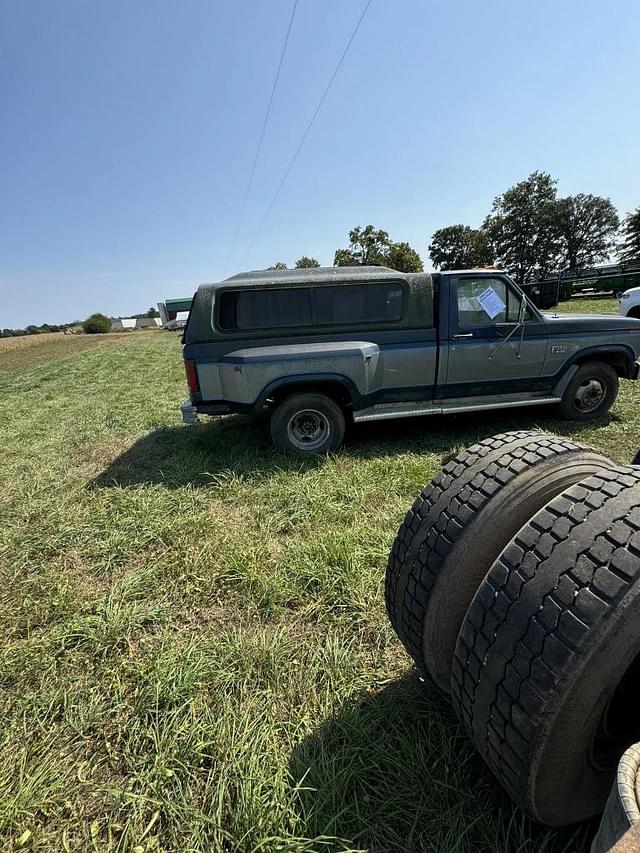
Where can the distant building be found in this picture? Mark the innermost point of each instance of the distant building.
(123, 323)
(148, 322)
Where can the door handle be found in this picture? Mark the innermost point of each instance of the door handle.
(466, 335)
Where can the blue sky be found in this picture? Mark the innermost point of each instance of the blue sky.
(128, 129)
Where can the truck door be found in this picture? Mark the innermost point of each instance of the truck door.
(489, 352)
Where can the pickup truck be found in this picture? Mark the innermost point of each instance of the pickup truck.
(316, 347)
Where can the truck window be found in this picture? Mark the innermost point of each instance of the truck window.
(265, 309)
(328, 305)
(486, 301)
(358, 303)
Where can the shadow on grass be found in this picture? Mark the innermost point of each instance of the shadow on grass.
(241, 446)
(394, 772)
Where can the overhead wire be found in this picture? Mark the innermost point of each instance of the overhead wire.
(261, 137)
(306, 132)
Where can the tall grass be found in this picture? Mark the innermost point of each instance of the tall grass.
(194, 654)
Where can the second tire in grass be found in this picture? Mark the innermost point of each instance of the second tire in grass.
(546, 675)
(458, 526)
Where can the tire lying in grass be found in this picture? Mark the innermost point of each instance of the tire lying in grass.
(547, 668)
(458, 526)
(622, 813)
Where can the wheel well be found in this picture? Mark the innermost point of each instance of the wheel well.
(335, 390)
(634, 312)
(620, 361)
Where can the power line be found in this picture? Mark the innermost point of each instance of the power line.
(306, 132)
(262, 132)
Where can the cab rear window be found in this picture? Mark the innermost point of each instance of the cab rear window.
(327, 305)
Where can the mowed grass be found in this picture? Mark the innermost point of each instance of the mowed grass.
(194, 652)
(26, 350)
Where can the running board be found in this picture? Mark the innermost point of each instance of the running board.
(420, 408)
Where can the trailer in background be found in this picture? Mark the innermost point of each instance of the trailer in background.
(122, 324)
(562, 285)
(170, 308)
(613, 278)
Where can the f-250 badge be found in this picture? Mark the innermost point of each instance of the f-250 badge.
(556, 349)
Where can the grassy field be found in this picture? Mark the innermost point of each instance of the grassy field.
(194, 653)
(26, 350)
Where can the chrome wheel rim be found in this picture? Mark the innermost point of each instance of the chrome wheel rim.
(589, 395)
(308, 429)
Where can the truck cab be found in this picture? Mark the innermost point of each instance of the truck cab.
(316, 347)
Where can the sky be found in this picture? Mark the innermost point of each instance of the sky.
(128, 129)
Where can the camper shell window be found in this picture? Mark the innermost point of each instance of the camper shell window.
(328, 305)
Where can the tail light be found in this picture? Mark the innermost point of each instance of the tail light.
(192, 376)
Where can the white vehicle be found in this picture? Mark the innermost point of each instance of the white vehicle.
(629, 302)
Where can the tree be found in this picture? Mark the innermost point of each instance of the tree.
(521, 227)
(370, 246)
(586, 226)
(367, 247)
(460, 247)
(96, 324)
(306, 263)
(630, 247)
(403, 258)
(279, 265)
(152, 312)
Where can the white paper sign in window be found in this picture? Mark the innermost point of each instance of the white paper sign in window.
(490, 303)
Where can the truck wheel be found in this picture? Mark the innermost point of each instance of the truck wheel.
(458, 526)
(547, 666)
(307, 424)
(591, 392)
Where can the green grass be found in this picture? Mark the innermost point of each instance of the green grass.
(194, 653)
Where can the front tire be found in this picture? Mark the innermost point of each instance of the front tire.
(591, 392)
(307, 424)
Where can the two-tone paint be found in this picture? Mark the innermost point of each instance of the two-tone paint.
(426, 362)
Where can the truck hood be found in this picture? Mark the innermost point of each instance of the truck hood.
(591, 322)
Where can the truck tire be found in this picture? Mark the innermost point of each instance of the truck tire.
(591, 392)
(307, 424)
(547, 666)
(458, 526)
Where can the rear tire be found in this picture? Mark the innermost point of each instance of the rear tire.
(307, 424)
(547, 666)
(458, 526)
(591, 392)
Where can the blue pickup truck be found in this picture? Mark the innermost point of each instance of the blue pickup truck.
(315, 347)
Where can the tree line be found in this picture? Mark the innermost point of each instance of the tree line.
(61, 327)
(36, 330)
(529, 232)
